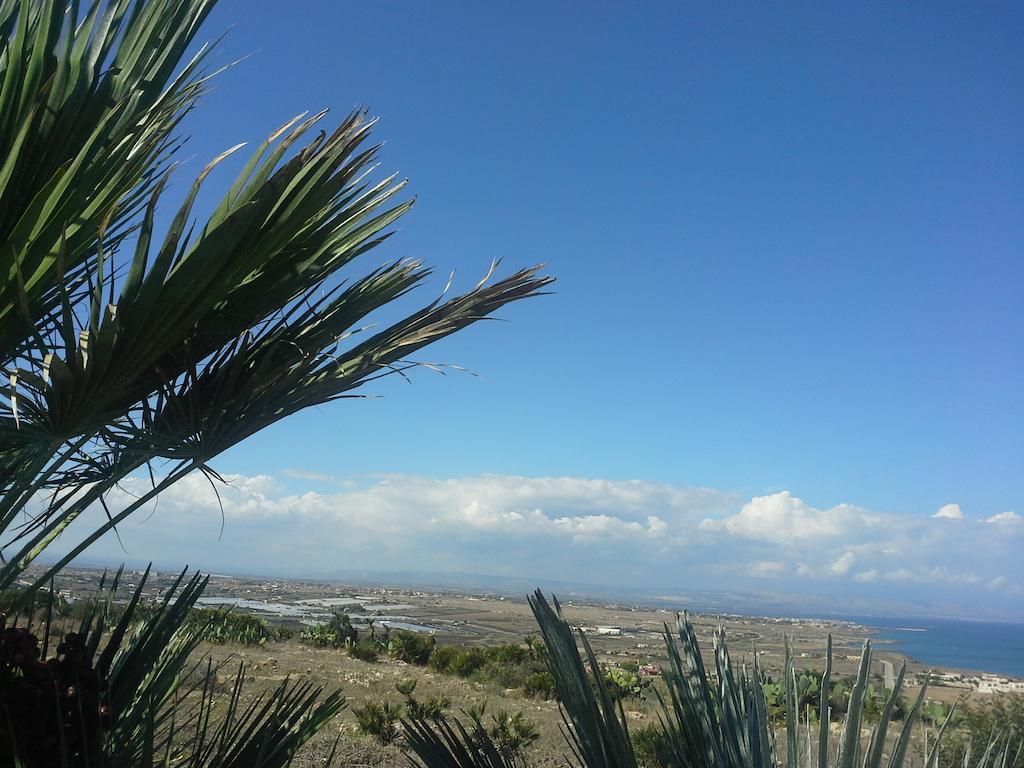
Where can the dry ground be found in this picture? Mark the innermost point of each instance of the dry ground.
(484, 620)
(488, 621)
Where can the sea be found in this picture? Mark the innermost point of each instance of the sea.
(975, 646)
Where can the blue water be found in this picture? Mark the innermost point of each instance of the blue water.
(977, 646)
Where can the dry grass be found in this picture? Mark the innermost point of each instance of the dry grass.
(362, 682)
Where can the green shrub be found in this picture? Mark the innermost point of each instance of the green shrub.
(338, 632)
(364, 650)
(622, 684)
(468, 662)
(410, 647)
(998, 720)
(433, 708)
(540, 685)
(509, 654)
(406, 686)
(228, 627)
(502, 675)
(379, 720)
(650, 746)
(507, 666)
(442, 657)
(512, 734)
(508, 734)
(453, 660)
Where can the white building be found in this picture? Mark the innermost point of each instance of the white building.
(995, 684)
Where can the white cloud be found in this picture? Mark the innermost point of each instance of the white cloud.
(571, 528)
(902, 575)
(843, 564)
(575, 508)
(950, 512)
(766, 569)
(934, 575)
(1011, 518)
(783, 518)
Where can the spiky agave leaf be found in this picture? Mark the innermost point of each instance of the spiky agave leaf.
(824, 711)
(162, 701)
(437, 743)
(850, 744)
(266, 732)
(720, 721)
(874, 755)
(596, 729)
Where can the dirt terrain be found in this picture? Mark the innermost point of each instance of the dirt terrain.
(619, 633)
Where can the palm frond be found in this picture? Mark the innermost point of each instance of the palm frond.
(88, 107)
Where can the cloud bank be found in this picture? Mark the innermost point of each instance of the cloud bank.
(628, 533)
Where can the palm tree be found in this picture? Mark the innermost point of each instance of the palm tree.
(124, 346)
(129, 349)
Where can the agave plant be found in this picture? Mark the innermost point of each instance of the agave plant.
(444, 743)
(719, 719)
(127, 690)
(131, 349)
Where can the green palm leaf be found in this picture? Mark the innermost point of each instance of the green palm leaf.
(201, 336)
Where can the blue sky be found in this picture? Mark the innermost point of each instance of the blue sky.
(787, 241)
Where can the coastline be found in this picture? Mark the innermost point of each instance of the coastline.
(967, 647)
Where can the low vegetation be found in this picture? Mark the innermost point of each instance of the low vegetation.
(994, 726)
(688, 715)
(651, 746)
(379, 720)
(624, 683)
(121, 679)
(524, 667)
(807, 687)
(433, 708)
(505, 666)
(222, 626)
(475, 741)
(527, 667)
(335, 633)
(364, 650)
(410, 647)
(507, 734)
(718, 718)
